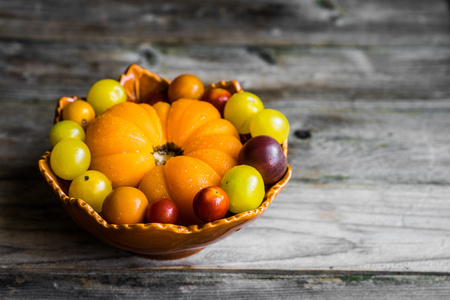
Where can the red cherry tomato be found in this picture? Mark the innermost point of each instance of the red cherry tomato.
(211, 203)
(162, 210)
(217, 97)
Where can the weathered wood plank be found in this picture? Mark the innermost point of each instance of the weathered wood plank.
(23, 138)
(364, 143)
(205, 284)
(334, 226)
(281, 22)
(48, 70)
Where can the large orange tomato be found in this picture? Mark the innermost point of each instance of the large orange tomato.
(170, 151)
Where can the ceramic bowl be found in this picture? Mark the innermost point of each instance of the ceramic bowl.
(153, 240)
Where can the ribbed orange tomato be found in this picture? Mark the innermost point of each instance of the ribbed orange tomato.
(170, 151)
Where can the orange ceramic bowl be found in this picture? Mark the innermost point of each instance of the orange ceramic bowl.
(154, 240)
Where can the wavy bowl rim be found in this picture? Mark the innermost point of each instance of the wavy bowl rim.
(65, 200)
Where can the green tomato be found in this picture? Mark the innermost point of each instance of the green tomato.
(270, 122)
(69, 158)
(66, 129)
(240, 108)
(104, 94)
(244, 186)
(92, 187)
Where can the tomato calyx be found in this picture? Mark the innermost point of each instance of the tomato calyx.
(163, 153)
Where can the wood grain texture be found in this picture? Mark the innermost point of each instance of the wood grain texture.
(364, 85)
(138, 283)
(23, 138)
(47, 70)
(47, 50)
(365, 143)
(335, 226)
(340, 22)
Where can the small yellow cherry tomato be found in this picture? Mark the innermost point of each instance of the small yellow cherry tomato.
(66, 129)
(69, 158)
(244, 186)
(270, 122)
(104, 94)
(92, 187)
(240, 109)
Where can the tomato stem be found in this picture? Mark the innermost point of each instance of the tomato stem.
(164, 152)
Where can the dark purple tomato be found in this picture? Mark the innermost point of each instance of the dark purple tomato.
(265, 154)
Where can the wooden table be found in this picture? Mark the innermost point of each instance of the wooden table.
(365, 86)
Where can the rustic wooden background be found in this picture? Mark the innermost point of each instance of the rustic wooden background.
(365, 86)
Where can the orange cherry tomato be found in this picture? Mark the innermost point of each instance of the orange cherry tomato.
(185, 86)
(125, 205)
(79, 111)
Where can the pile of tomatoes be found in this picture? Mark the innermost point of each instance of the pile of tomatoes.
(261, 160)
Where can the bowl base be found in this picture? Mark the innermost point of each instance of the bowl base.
(171, 256)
